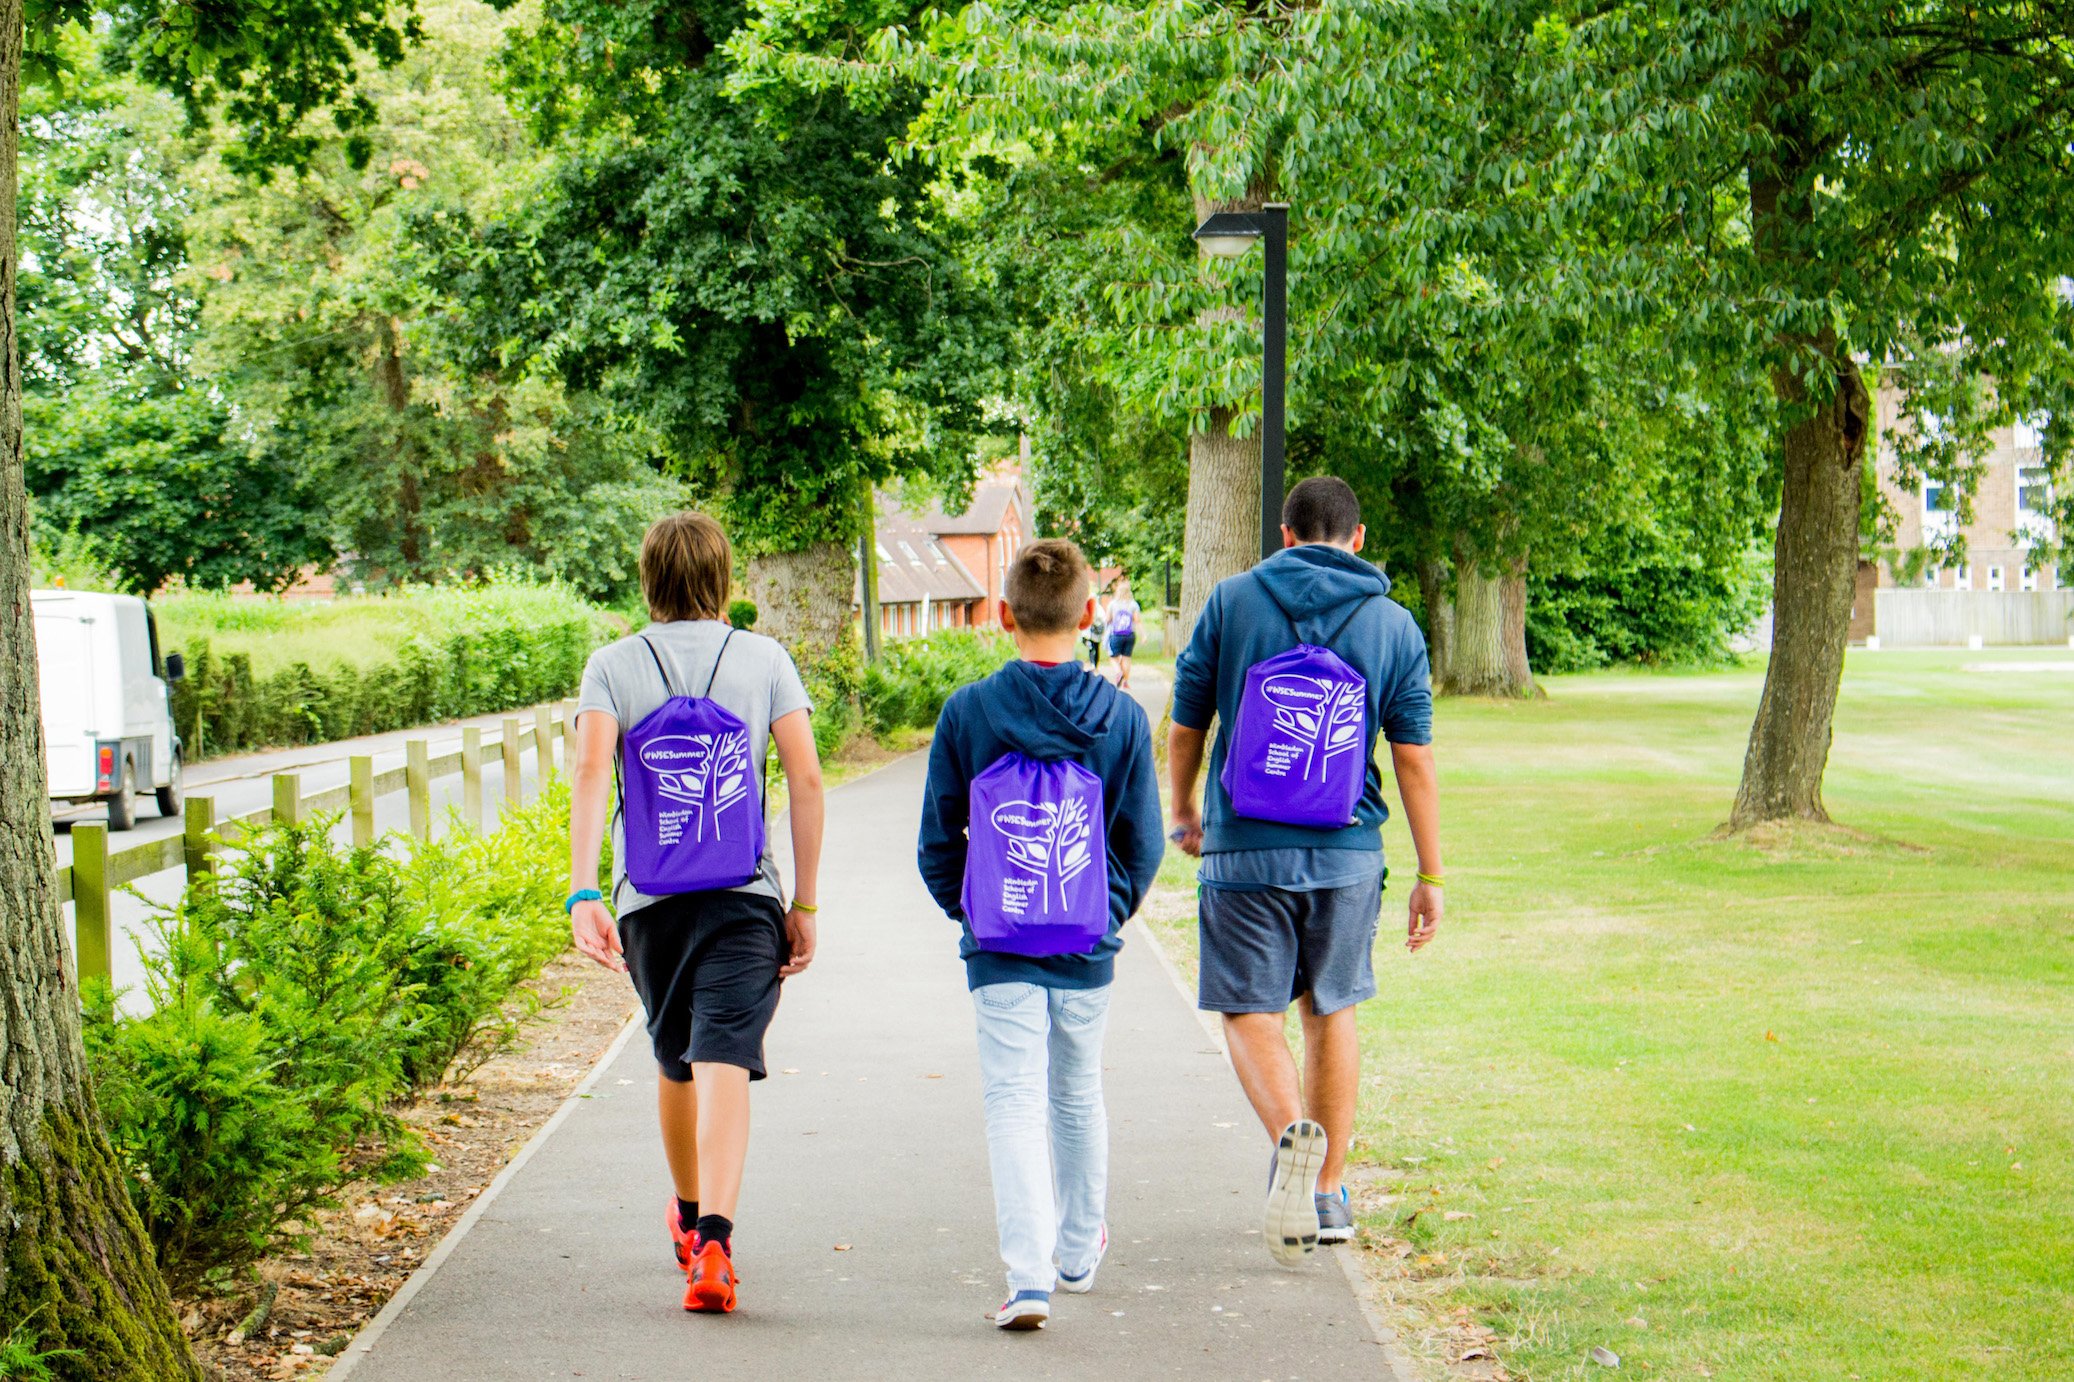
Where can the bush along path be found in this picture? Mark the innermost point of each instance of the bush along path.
(866, 1235)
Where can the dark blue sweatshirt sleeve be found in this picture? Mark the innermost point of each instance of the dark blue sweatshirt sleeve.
(1408, 709)
(1195, 671)
(1137, 838)
(941, 850)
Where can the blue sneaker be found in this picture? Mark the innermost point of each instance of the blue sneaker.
(1024, 1310)
(1335, 1217)
(1085, 1282)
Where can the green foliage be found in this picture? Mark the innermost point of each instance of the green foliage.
(266, 673)
(22, 1361)
(906, 688)
(1638, 597)
(742, 613)
(833, 683)
(292, 1000)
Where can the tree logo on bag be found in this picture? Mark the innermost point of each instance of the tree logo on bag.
(1322, 715)
(706, 772)
(1050, 841)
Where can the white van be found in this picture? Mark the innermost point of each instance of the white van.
(107, 713)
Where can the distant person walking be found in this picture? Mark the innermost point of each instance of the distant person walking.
(1302, 661)
(1123, 632)
(685, 710)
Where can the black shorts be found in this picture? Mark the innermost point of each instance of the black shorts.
(706, 967)
(1123, 644)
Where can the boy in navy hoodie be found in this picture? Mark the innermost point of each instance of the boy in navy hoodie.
(1041, 1019)
(1288, 913)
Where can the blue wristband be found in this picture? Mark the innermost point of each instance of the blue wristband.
(582, 895)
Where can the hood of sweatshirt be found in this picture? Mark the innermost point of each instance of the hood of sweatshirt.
(1318, 588)
(1049, 712)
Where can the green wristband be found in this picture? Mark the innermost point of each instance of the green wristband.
(1432, 880)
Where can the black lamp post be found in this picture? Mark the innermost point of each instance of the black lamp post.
(1229, 234)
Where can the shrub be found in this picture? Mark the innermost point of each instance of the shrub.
(1640, 597)
(907, 687)
(263, 673)
(293, 1000)
(742, 613)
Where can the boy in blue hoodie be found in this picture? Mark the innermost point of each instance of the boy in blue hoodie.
(1041, 1019)
(1288, 913)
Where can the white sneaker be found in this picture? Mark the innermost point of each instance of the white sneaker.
(1291, 1226)
(1085, 1282)
(1024, 1310)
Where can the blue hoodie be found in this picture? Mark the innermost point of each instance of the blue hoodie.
(1330, 598)
(1048, 713)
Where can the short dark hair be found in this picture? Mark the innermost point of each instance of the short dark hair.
(686, 568)
(1322, 509)
(1047, 586)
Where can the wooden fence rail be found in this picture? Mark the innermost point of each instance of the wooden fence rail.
(90, 880)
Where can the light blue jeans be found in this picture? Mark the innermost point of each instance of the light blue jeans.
(1040, 1065)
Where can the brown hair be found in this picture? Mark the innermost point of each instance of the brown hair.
(1047, 586)
(686, 566)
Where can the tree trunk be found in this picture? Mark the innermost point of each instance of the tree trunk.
(1440, 616)
(1482, 660)
(1814, 571)
(1221, 536)
(803, 599)
(1512, 633)
(75, 1269)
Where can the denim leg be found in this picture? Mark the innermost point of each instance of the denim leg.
(1013, 1020)
(1079, 1123)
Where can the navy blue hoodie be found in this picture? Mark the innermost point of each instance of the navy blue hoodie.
(1330, 598)
(1049, 713)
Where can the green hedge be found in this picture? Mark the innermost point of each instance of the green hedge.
(293, 1000)
(908, 685)
(394, 663)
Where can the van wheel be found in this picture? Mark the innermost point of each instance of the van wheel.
(169, 795)
(122, 807)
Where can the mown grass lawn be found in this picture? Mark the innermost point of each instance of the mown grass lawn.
(1793, 1107)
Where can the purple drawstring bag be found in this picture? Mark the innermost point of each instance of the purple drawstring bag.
(1037, 858)
(1298, 750)
(692, 812)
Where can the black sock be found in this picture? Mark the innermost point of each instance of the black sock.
(687, 1212)
(716, 1228)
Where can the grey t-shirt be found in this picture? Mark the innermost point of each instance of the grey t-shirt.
(755, 679)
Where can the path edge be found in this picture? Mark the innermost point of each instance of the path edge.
(1395, 1363)
(371, 1333)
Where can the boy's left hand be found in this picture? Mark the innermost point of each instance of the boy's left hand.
(1427, 905)
(801, 935)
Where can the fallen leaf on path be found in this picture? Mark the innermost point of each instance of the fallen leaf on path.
(842, 1247)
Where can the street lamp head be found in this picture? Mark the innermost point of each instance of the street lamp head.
(1229, 234)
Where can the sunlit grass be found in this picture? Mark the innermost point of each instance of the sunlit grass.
(1797, 1106)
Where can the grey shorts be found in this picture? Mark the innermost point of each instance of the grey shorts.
(1264, 949)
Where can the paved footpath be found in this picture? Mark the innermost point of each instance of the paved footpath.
(866, 1231)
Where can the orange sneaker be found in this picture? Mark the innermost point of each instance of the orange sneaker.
(682, 1240)
(711, 1284)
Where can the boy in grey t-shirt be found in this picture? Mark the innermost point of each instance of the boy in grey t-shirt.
(708, 965)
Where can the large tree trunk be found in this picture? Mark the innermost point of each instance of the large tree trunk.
(1482, 660)
(803, 599)
(1814, 570)
(75, 1270)
(1512, 633)
(1222, 532)
(1439, 600)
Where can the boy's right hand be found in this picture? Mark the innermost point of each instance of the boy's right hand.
(1188, 830)
(596, 934)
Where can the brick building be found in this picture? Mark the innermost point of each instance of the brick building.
(946, 571)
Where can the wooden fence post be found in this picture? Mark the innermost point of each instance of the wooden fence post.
(568, 709)
(93, 938)
(544, 740)
(512, 791)
(360, 793)
(288, 797)
(417, 782)
(198, 819)
(471, 775)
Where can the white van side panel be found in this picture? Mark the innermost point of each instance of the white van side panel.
(144, 714)
(65, 662)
